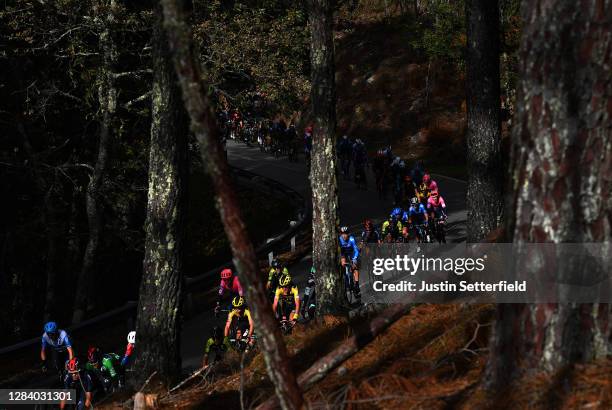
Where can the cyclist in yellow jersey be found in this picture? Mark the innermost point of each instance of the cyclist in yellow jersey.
(242, 318)
(287, 297)
(276, 270)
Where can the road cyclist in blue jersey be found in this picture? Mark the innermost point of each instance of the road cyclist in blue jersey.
(56, 348)
(349, 260)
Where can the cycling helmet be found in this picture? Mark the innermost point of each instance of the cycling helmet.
(131, 338)
(426, 178)
(238, 302)
(275, 264)
(93, 354)
(51, 327)
(72, 365)
(344, 229)
(226, 273)
(285, 271)
(313, 270)
(396, 211)
(285, 280)
(217, 334)
(433, 186)
(414, 201)
(434, 194)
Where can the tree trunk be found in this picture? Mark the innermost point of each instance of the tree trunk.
(561, 177)
(203, 124)
(485, 181)
(158, 321)
(107, 96)
(324, 184)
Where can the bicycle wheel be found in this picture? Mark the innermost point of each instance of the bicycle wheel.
(348, 284)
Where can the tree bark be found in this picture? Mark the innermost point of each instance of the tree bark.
(158, 320)
(107, 96)
(203, 124)
(323, 180)
(561, 178)
(485, 181)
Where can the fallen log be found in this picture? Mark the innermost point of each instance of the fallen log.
(327, 363)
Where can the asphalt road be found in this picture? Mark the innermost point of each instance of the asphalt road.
(355, 205)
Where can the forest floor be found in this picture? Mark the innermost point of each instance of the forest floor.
(432, 358)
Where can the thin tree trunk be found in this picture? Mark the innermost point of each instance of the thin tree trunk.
(323, 177)
(107, 96)
(485, 181)
(159, 305)
(203, 124)
(561, 156)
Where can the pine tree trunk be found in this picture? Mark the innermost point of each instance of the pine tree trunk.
(561, 177)
(107, 96)
(204, 126)
(324, 184)
(159, 305)
(485, 181)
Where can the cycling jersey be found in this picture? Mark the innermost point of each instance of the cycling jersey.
(109, 365)
(387, 228)
(292, 296)
(439, 209)
(232, 285)
(348, 248)
(371, 236)
(417, 214)
(82, 385)
(61, 343)
(236, 314)
(274, 275)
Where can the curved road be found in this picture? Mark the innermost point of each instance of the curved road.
(355, 205)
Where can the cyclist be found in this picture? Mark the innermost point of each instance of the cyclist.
(380, 166)
(106, 369)
(425, 187)
(229, 283)
(288, 297)
(436, 208)
(216, 345)
(58, 343)
(360, 159)
(370, 233)
(310, 296)
(80, 381)
(345, 152)
(349, 251)
(392, 226)
(276, 270)
(129, 350)
(417, 217)
(410, 190)
(242, 318)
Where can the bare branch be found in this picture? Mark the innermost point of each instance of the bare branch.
(136, 73)
(143, 97)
